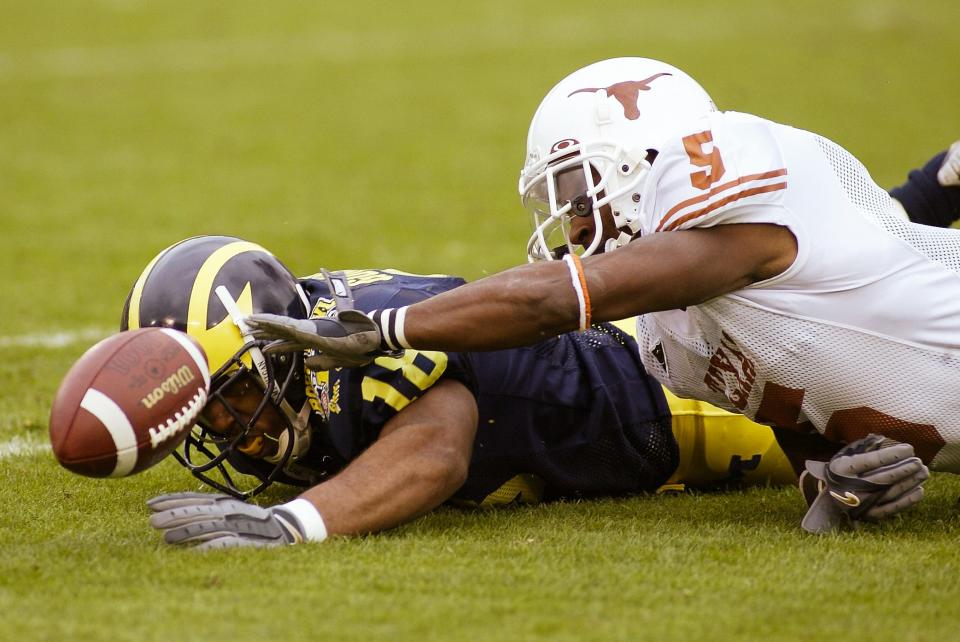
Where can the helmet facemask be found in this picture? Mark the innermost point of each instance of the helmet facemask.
(273, 377)
(577, 181)
(209, 448)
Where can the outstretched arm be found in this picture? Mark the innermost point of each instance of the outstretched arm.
(526, 304)
(419, 461)
(659, 272)
(529, 303)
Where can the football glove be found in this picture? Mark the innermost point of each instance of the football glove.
(346, 340)
(949, 173)
(214, 521)
(867, 480)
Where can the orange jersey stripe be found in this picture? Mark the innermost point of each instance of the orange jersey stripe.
(720, 188)
(729, 199)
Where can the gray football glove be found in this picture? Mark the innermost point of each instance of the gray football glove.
(867, 480)
(214, 521)
(345, 340)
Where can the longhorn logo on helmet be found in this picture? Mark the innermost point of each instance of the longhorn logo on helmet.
(627, 93)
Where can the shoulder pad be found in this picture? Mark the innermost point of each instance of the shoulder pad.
(700, 177)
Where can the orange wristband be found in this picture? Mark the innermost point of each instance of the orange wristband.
(579, 282)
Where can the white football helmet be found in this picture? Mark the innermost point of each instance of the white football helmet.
(588, 143)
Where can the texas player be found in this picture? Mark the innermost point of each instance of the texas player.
(772, 276)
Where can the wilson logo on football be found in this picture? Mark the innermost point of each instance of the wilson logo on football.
(172, 384)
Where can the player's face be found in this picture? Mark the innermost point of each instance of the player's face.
(583, 229)
(571, 184)
(244, 397)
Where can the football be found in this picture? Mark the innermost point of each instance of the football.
(128, 402)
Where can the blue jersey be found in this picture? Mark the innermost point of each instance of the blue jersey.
(572, 416)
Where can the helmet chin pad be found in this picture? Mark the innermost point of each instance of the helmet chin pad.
(621, 239)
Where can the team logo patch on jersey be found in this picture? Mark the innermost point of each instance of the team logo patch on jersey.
(317, 387)
(731, 373)
(323, 308)
(322, 400)
(317, 383)
(334, 404)
(627, 93)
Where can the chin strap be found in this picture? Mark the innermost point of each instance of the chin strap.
(622, 239)
(300, 422)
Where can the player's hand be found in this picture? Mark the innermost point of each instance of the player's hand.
(868, 480)
(219, 521)
(949, 173)
(349, 339)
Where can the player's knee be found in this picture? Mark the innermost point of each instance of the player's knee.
(458, 466)
(445, 467)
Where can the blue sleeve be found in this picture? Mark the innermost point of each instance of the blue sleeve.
(925, 199)
(378, 289)
(363, 400)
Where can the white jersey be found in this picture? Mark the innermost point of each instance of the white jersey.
(861, 334)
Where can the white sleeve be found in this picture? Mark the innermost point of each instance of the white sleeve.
(731, 171)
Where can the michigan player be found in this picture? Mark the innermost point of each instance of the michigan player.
(574, 416)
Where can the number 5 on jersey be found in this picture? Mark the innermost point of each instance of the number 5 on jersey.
(693, 144)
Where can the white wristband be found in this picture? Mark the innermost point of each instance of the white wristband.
(578, 286)
(386, 328)
(391, 322)
(314, 530)
(399, 319)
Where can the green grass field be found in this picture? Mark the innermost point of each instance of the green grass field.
(377, 135)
